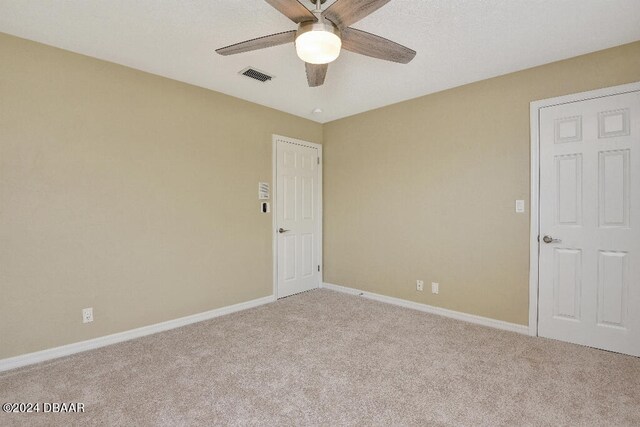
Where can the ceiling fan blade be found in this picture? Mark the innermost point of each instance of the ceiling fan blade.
(316, 74)
(293, 10)
(375, 46)
(259, 43)
(347, 12)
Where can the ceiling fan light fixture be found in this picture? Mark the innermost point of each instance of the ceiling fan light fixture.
(319, 36)
(318, 42)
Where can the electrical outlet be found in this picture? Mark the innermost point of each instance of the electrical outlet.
(435, 287)
(419, 285)
(87, 315)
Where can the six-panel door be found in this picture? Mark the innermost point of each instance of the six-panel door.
(589, 272)
(297, 217)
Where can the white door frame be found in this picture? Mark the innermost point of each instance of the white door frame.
(535, 183)
(274, 199)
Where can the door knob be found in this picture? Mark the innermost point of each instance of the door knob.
(549, 239)
(282, 230)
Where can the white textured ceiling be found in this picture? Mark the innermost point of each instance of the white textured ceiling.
(458, 42)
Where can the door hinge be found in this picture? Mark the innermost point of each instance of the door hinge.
(318, 268)
(318, 160)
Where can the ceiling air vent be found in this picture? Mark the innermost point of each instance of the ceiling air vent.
(256, 75)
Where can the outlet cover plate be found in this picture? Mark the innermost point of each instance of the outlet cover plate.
(87, 315)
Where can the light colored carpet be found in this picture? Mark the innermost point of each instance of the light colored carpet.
(325, 358)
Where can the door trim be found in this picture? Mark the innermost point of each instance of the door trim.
(274, 199)
(535, 106)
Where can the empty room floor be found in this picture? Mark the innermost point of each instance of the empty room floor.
(327, 358)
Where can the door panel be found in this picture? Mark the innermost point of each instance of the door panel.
(612, 288)
(614, 188)
(297, 216)
(589, 275)
(568, 283)
(569, 172)
(307, 254)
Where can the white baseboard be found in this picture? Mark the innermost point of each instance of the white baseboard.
(66, 350)
(471, 318)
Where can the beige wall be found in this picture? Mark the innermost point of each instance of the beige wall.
(136, 195)
(425, 189)
(126, 192)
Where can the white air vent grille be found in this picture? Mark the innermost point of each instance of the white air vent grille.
(256, 75)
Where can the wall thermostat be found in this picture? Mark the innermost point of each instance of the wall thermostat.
(263, 190)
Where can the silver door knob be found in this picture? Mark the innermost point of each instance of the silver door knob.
(549, 239)
(282, 230)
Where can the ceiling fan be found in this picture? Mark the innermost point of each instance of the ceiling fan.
(321, 35)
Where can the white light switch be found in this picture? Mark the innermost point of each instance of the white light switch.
(519, 206)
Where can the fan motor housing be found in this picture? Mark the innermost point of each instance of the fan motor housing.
(324, 25)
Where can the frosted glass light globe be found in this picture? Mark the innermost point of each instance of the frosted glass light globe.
(318, 43)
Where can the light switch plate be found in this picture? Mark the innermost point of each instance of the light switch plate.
(519, 206)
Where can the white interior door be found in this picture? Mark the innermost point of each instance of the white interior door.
(297, 216)
(589, 272)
